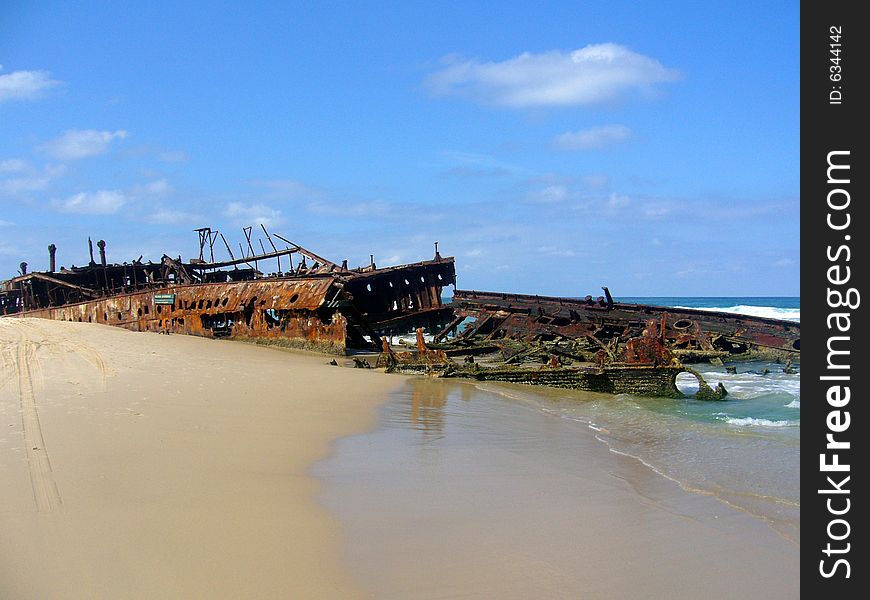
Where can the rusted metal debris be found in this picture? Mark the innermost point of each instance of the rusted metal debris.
(597, 344)
(588, 326)
(648, 369)
(390, 359)
(318, 305)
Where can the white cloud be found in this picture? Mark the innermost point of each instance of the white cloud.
(253, 214)
(26, 178)
(159, 187)
(590, 139)
(475, 163)
(102, 202)
(594, 74)
(555, 251)
(474, 173)
(12, 165)
(19, 185)
(550, 194)
(656, 210)
(81, 143)
(53, 171)
(24, 85)
(615, 202)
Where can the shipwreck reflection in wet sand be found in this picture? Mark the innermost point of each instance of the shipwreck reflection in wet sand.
(426, 404)
(428, 400)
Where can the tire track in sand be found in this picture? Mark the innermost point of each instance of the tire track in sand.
(45, 492)
(22, 342)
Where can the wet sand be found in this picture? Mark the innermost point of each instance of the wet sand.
(137, 465)
(468, 491)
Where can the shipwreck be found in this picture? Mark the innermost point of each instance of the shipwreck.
(645, 367)
(582, 326)
(310, 302)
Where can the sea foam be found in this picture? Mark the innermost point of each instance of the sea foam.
(752, 422)
(770, 312)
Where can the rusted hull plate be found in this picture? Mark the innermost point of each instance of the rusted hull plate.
(287, 313)
(648, 381)
(519, 316)
(390, 294)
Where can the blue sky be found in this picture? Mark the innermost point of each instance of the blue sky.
(651, 147)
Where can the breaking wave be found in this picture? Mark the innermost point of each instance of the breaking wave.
(753, 422)
(770, 312)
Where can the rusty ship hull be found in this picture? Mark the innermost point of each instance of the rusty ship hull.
(593, 322)
(324, 307)
(637, 380)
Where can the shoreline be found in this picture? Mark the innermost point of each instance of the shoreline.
(786, 528)
(180, 464)
(465, 491)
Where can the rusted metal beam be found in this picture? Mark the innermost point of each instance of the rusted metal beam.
(238, 261)
(65, 284)
(229, 251)
(271, 243)
(450, 327)
(306, 252)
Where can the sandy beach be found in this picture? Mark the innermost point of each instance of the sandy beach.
(137, 465)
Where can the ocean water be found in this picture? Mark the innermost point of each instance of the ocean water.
(774, 307)
(742, 453)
